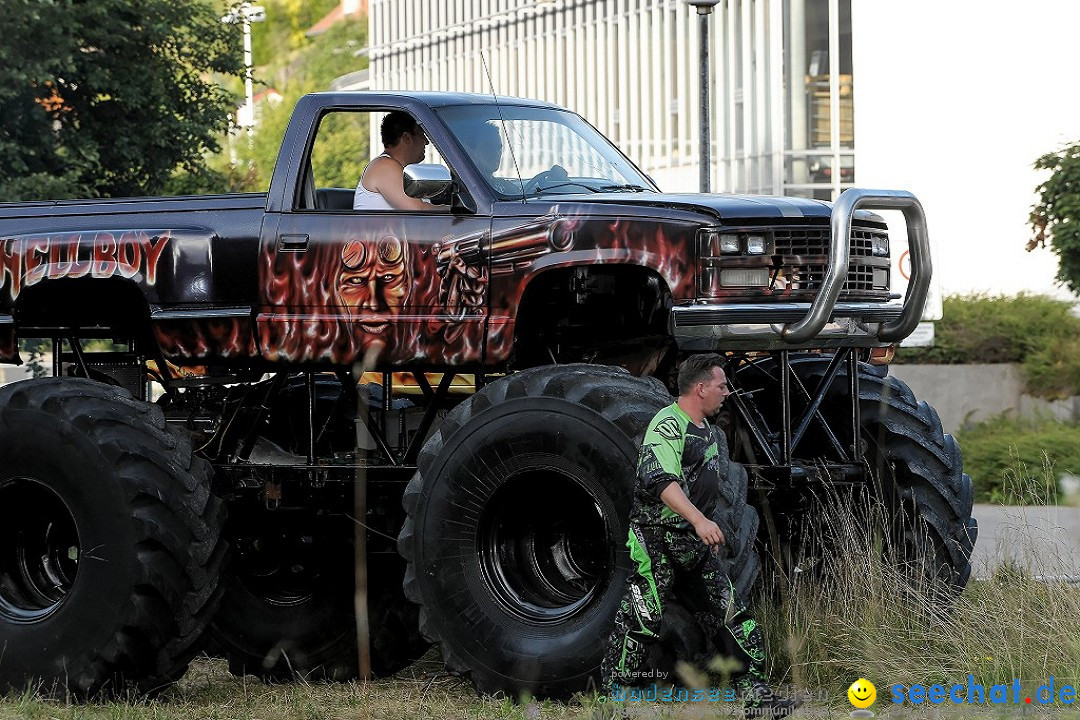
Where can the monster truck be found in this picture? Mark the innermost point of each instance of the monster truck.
(270, 415)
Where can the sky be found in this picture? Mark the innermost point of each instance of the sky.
(954, 101)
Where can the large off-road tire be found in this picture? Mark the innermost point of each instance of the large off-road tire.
(917, 469)
(288, 607)
(738, 520)
(518, 518)
(517, 524)
(922, 471)
(110, 542)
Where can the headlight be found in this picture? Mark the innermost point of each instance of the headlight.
(729, 244)
(715, 243)
(879, 245)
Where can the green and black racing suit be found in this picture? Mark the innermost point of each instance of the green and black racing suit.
(663, 544)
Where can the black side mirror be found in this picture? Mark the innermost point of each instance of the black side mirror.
(461, 202)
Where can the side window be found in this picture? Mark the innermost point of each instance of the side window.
(345, 142)
(341, 150)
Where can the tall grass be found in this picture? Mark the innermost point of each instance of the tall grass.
(869, 615)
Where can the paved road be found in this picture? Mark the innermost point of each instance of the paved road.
(1044, 540)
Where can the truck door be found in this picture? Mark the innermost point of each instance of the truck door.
(382, 287)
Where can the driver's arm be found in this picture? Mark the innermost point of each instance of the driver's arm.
(389, 181)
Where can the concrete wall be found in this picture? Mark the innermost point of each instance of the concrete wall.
(970, 393)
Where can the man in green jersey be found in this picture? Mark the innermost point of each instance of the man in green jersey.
(672, 530)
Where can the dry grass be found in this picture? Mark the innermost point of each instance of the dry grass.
(209, 692)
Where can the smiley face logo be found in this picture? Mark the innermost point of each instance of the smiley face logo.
(862, 693)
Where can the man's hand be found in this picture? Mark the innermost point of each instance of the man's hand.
(710, 533)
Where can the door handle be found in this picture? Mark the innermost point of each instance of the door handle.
(292, 243)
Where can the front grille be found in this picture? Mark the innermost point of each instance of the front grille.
(815, 241)
(860, 278)
(861, 240)
(797, 267)
(803, 243)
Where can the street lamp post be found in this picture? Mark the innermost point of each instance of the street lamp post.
(704, 9)
(245, 14)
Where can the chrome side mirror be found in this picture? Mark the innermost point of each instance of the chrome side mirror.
(425, 180)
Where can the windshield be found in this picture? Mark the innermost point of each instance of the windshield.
(532, 152)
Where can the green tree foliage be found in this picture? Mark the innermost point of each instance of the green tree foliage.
(1039, 332)
(286, 23)
(1056, 217)
(109, 97)
(342, 150)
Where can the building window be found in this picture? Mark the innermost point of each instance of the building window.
(820, 158)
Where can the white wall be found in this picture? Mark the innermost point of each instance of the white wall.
(954, 100)
(13, 373)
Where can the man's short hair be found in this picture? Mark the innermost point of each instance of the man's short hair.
(394, 125)
(488, 134)
(698, 368)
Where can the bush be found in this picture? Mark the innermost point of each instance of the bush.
(1037, 331)
(1018, 461)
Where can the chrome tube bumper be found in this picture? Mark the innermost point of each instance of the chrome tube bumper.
(824, 322)
(760, 326)
(843, 213)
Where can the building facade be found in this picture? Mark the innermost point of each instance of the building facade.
(632, 68)
(952, 101)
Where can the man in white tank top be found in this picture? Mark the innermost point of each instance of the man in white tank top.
(382, 187)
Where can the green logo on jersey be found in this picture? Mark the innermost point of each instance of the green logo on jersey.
(669, 428)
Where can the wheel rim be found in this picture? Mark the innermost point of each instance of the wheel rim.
(39, 550)
(280, 569)
(544, 545)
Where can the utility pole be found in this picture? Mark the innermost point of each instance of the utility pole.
(245, 14)
(704, 9)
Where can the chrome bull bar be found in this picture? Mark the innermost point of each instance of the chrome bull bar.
(825, 322)
(843, 214)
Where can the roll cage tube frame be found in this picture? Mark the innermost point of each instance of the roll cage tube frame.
(435, 398)
(777, 446)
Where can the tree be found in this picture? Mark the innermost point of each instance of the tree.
(109, 97)
(1055, 218)
(312, 64)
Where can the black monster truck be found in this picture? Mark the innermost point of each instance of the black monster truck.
(454, 397)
